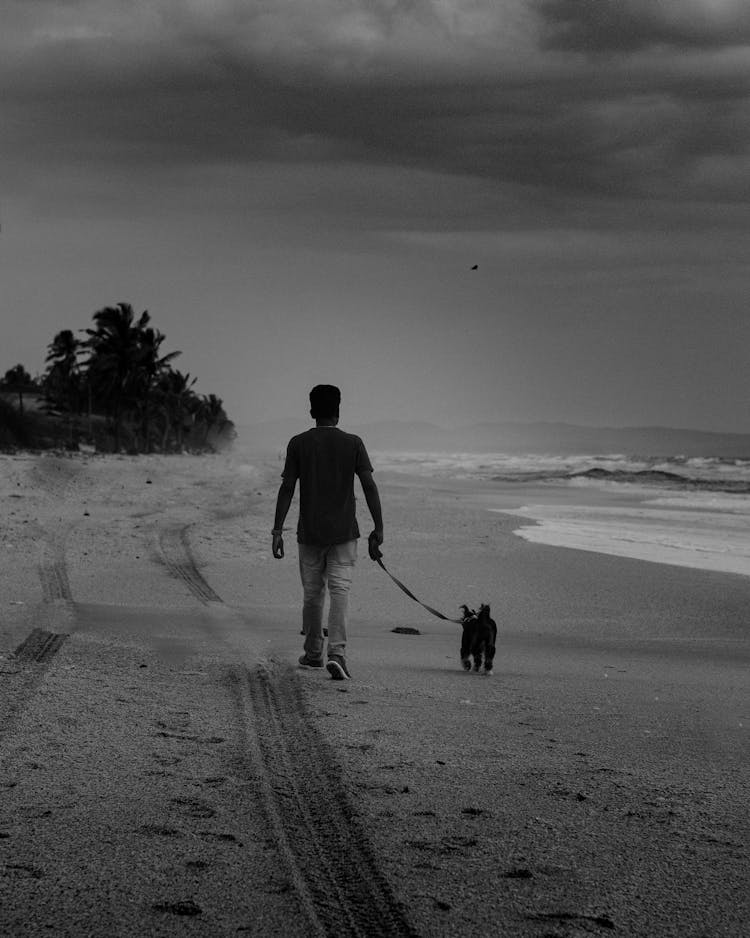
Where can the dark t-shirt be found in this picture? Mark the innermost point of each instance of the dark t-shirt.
(325, 460)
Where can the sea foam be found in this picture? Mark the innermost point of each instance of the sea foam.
(692, 512)
(615, 467)
(716, 538)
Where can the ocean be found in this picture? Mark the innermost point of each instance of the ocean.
(692, 512)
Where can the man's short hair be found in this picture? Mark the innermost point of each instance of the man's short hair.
(324, 401)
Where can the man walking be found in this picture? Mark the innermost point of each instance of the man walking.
(325, 460)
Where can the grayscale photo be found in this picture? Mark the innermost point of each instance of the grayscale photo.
(375, 468)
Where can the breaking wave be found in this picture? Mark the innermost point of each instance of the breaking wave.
(678, 472)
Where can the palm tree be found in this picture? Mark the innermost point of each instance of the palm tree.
(212, 415)
(115, 345)
(149, 367)
(62, 380)
(176, 398)
(18, 380)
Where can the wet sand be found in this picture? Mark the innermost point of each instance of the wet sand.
(166, 770)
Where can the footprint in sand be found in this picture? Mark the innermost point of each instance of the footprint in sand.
(278, 889)
(23, 871)
(168, 734)
(159, 830)
(444, 846)
(518, 873)
(175, 720)
(212, 781)
(181, 907)
(174, 725)
(166, 760)
(222, 838)
(194, 807)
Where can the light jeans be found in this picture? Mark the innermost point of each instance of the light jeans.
(330, 565)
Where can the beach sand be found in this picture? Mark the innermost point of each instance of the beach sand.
(167, 770)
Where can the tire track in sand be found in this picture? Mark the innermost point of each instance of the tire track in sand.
(52, 478)
(53, 572)
(328, 858)
(54, 616)
(52, 621)
(39, 646)
(174, 550)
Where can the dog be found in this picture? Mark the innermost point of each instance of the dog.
(478, 638)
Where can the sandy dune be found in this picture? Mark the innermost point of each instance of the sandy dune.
(166, 771)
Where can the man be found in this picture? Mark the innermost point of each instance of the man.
(325, 460)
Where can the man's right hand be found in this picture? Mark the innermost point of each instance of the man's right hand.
(277, 546)
(373, 544)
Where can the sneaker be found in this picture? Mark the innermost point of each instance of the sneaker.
(306, 662)
(337, 668)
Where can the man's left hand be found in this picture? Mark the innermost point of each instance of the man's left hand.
(373, 545)
(277, 546)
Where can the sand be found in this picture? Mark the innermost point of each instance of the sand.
(166, 770)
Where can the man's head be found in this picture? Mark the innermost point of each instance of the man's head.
(324, 402)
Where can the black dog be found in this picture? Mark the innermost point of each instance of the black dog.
(478, 639)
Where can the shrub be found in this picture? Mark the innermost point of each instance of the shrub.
(14, 429)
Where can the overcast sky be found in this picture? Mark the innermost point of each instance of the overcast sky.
(297, 191)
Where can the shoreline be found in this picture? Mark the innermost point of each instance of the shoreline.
(550, 513)
(636, 522)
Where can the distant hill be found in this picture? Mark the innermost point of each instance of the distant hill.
(518, 438)
(569, 439)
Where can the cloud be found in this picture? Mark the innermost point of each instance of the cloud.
(363, 39)
(628, 25)
(352, 39)
(464, 87)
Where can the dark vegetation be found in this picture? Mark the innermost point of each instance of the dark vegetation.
(113, 389)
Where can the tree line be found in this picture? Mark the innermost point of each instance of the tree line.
(116, 388)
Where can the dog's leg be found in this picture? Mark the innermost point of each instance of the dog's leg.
(489, 655)
(466, 649)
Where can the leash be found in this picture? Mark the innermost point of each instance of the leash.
(411, 595)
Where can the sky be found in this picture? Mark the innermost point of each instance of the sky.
(455, 210)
